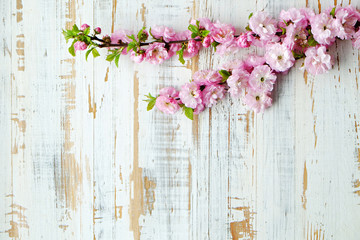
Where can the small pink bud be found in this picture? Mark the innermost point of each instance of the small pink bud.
(84, 26)
(80, 46)
(97, 30)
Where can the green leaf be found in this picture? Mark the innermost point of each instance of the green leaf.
(95, 53)
(283, 30)
(225, 74)
(198, 23)
(215, 44)
(312, 42)
(189, 112)
(248, 28)
(194, 35)
(87, 31)
(151, 104)
(111, 56)
(75, 28)
(72, 49)
(286, 23)
(332, 13)
(151, 34)
(251, 14)
(204, 33)
(117, 60)
(193, 29)
(181, 54)
(87, 53)
(132, 46)
(132, 37)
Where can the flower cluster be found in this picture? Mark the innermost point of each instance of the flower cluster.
(296, 34)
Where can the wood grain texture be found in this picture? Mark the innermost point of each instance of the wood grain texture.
(82, 158)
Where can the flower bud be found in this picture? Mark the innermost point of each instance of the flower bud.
(84, 26)
(80, 46)
(97, 30)
(107, 39)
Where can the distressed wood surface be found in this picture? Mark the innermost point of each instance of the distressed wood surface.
(82, 159)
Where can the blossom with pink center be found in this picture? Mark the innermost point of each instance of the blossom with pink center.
(192, 49)
(207, 41)
(80, 46)
(156, 53)
(322, 27)
(345, 22)
(244, 40)
(137, 57)
(262, 78)
(167, 105)
(317, 61)
(257, 100)
(168, 34)
(237, 82)
(222, 33)
(356, 40)
(279, 57)
(263, 25)
(190, 95)
(207, 77)
(84, 26)
(212, 94)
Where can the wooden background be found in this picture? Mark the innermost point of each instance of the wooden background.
(80, 158)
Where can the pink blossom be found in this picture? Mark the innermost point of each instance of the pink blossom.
(293, 16)
(222, 33)
(121, 35)
(237, 82)
(84, 26)
(243, 40)
(212, 94)
(207, 77)
(156, 53)
(279, 57)
(317, 61)
(257, 100)
(262, 78)
(253, 61)
(356, 40)
(169, 92)
(168, 34)
(167, 105)
(207, 41)
(296, 37)
(80, 46)
(97, 30)
(322, 27)
(204, 23)
(190, 95)
(345, 22)
(263, 25)
(137, 57)
(192, 49)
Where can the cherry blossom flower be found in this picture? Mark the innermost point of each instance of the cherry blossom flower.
(212, 94)
(263, 25)
(257, 100)
(190, 95)
(323, 29)
(237, 82)
(317, 61)
(156, 53)
(279, 57)
(262, 78)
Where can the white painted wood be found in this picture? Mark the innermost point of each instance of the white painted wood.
(82, 158)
